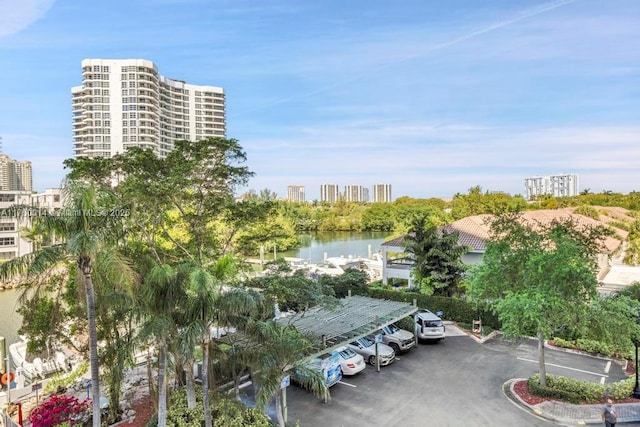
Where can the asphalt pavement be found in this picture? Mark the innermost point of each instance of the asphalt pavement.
(458, 382)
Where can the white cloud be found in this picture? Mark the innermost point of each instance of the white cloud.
(16, 15)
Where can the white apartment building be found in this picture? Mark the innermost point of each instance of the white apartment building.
(561, 185)
(295, 193)
(382, 193)
(329, 193)
(17, 211)
(124, 103)
(356, 193)
(15, 175)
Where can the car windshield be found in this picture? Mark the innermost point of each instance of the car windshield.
(366, 342)
(347, 353)
(433, 323)
(390, 329)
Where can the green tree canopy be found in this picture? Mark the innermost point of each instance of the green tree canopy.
(437, 255)
(538, 276)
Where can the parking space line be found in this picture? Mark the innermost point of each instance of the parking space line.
(566, 367)
(602, 380)
(607, 367)
(350, 385)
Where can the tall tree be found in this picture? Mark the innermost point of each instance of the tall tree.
(84, 232)
(437, 256)
(538, 276)
(282, 354)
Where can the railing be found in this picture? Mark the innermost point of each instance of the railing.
(7, 421)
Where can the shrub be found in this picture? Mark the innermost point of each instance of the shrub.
(593, 347)
(225, 412)
(60, 409)
(577, 391)
(452, 308)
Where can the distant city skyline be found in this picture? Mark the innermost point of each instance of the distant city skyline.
(432, 98)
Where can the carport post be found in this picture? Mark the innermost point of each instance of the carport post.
(284, 404)
(415, 329)
(376, 339)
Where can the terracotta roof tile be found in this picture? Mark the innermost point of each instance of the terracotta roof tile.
(474, 230)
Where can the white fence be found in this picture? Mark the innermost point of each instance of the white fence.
(7, 421)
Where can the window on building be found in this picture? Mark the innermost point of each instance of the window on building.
(7, 197)
(7, 226)
(7, 241)
(7, 255)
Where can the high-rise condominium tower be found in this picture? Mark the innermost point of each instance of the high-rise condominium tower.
(295, 193)
(124, 103)
(15, 175)
(329, 193)
(356, 193)
(562, 185)
(382, 193)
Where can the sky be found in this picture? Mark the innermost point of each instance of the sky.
(433, 97)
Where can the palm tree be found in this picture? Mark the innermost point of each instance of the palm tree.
(160, 295)
(283, 349)
(83, 233)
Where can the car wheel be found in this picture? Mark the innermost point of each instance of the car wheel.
(372, 360)
(395, 347)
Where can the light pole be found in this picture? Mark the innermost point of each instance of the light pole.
(636, 388)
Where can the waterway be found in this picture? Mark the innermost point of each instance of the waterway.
(338, 243)
(314, 247)
(10, 320)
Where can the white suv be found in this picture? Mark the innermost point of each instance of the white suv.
(429, 326)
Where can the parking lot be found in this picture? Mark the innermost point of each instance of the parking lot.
(453, 383)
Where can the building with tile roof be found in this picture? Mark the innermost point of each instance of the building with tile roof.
(474, 232)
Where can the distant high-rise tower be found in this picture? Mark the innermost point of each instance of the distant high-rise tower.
(295, 193)
(15, 175)
(562, 185)
(356, 193)
(126, 103)
(382, 193)
(329, 193)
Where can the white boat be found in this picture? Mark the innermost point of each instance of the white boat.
(298, 264)
(335, 266)
(38, 366)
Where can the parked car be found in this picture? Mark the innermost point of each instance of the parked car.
(366, 347)
(429, 326)
(398, 339)
(328, 365)
(350, 361)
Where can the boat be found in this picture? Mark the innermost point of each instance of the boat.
(335, 266)
(37, 366)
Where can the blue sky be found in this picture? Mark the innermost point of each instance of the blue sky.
(432, 97)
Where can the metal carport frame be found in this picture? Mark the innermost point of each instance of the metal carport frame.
(353, 318)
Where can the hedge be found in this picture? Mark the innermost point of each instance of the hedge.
(577, 391)
(594, 347)
(455, 309)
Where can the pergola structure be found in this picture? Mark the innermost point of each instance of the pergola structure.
(353, 318)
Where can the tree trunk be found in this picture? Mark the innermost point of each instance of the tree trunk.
(205, 383)
(191, 385)
(279, 414)
(86, 267)
(542, 369)
(153, 391)
(162, 385)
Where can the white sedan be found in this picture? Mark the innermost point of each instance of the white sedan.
(350, 361)
(366, 347)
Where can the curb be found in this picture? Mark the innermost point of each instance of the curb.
(512, 396)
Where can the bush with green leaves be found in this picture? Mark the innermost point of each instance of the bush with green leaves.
(577, 391)
(225, 412)
(452, 308)
(593, 347)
